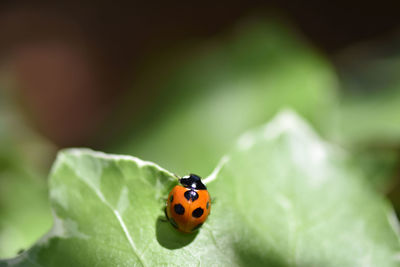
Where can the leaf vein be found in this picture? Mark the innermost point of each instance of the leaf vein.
(118, 217)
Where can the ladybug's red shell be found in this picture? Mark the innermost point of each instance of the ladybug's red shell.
(187, 208)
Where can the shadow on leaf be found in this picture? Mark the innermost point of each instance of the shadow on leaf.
(251, 257)
(169, 237)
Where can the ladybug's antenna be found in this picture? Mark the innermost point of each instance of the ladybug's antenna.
(177, 177)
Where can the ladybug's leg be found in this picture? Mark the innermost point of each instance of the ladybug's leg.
(166, 219)
(213, 200)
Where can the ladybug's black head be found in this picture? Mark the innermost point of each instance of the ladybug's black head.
(192, 181)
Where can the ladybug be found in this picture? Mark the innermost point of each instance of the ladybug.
(188, 204)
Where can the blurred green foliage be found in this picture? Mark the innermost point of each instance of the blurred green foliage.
(229, 87)
(370, 106)
(369, 109)
(24, 208)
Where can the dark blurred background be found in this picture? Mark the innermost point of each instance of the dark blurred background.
(176, 83)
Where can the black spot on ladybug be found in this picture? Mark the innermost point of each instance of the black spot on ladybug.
(197, 212)
(173, 222)
(191, 194)
(197, 227)
(179, 209)
(171, 199)
(208, 205)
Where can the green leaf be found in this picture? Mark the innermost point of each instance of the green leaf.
(283, 197)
